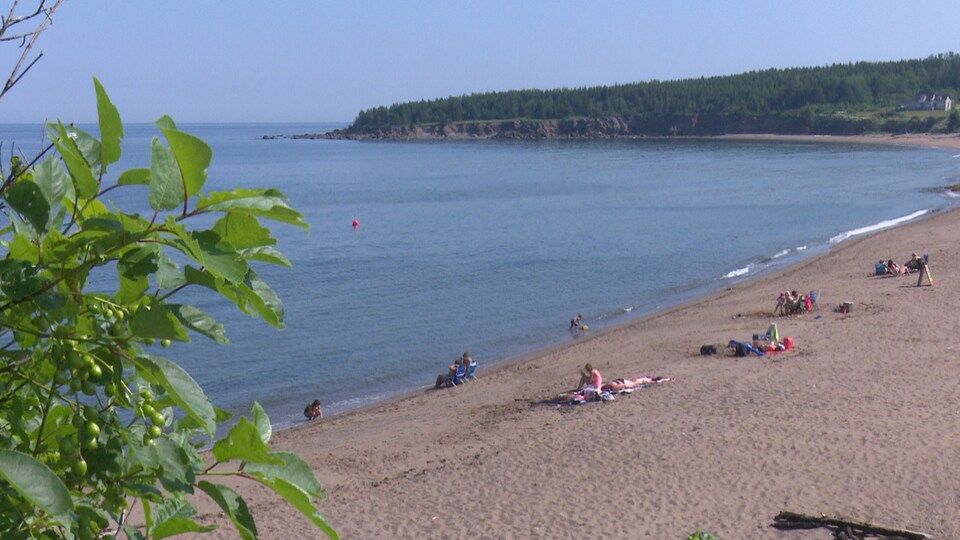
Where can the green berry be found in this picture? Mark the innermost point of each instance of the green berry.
(158, 419)
(88, 388)
(149, 341)
(76, 385)
(147, 409)
(165, 343)
(75, 359)
(61, 376)
(92, 429)
(96, 373)
(155, 432)
(90, 443)
(79, 467)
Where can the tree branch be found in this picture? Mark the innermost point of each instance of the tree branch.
(45, 23)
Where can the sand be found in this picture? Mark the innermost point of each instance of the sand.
(861, 421)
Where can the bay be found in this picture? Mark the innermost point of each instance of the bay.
(491, 247)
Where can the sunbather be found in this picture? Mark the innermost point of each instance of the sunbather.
(590, 381)
(617, 385)
(915, 264)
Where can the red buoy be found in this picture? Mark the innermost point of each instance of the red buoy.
(356, 223)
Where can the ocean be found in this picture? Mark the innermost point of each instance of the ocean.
(492, 247)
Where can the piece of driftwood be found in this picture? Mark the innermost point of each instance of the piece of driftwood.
(792, 520)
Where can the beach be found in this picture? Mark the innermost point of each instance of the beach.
(861, 421)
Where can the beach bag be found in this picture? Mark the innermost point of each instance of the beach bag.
(708, 350)
(880, 268)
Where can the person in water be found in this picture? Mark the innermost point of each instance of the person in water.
(575, 322)
(313, 410)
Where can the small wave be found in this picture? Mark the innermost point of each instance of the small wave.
(737, 273)
(800, 248)
(876, 227)
(780, 254)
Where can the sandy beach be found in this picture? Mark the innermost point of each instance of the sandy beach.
(860, 421)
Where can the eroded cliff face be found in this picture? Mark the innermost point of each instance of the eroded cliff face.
(613, 127)
(586, 128)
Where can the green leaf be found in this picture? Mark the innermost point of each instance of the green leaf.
(134, 176)
(18, 279)
(175, 526)
(218, 257)
(85, 184)
(134, 267)
(38, 484)
(153, 320)
(262, 422)
(53, 181)
(234, 506)
(111, 128)
(200, 322)
(293, 469)
(267, 254)
(301, 501)
(180, 386)
(166, 186)
(243, 443)
(27, 199)
(266, 203)
(192, 154)
(87, 146)
(178, 473)
(263, 299)
(168, 273)
(243, 231)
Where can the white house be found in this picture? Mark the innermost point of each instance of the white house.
(928, 101)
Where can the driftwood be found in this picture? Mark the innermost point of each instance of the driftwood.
(792, 520)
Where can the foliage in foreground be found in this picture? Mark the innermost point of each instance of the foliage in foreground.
(702, 535)
(92, 420)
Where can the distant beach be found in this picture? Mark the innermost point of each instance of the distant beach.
(927, 140)
(860, 421)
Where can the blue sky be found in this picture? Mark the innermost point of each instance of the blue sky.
(312, 61)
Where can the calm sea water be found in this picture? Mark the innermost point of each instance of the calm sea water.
(492, 247)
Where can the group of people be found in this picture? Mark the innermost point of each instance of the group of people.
(591, 386)
(460, 365)
(890, 268)
(791, 303)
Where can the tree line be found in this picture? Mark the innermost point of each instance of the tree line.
(810, 99)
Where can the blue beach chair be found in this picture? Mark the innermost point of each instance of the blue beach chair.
(458, 376)
(471, 372)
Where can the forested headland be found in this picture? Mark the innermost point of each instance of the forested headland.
(841, 99)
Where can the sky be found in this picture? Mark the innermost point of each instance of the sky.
(325, 60)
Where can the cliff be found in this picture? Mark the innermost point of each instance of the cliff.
(611, 127)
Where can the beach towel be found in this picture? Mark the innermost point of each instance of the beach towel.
(608, 395)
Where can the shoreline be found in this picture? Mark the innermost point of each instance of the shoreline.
(832, 427)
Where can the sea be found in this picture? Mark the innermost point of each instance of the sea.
(492, 247)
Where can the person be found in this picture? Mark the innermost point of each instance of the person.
(915, 263)
(313, 410)
(590, 381)
(781, 308)
(575, 322)
(617, 385)
(446, 378)
(895, 269)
